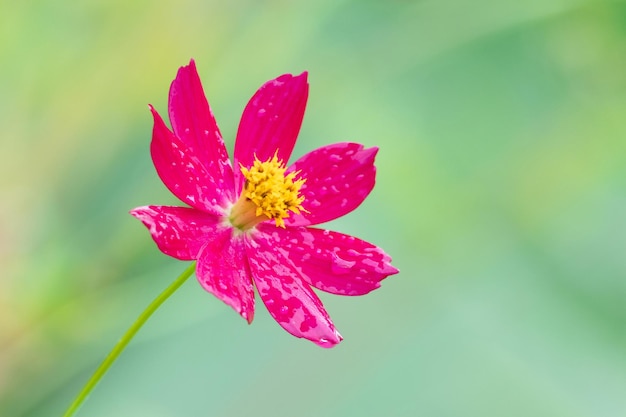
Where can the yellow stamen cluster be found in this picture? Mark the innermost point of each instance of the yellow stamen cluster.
(273, 193)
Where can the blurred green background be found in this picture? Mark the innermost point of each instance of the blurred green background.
(501, 196)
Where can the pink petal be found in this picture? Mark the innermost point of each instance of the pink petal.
(271, 121)
(223, 271)
(338, 178)
(332, 261)
(183, 173)
(194, 124)
(179, 232)
(289, 299)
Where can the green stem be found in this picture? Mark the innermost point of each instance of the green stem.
(130, 333)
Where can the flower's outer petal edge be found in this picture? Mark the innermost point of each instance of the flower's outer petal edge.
(271, 122)
(288, 298)
(331, 261)
(194, 124)
(338, 178)
(183, 173)
(223, 271)
(180, 232)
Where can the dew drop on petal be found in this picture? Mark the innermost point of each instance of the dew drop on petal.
(324, 342)
(341, 266)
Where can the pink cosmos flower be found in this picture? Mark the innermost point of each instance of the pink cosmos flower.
(249, 226)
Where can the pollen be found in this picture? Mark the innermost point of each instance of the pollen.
(269, 193)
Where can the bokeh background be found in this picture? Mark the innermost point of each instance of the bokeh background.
(501, 196)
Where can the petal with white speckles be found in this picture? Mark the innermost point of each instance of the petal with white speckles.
(271, 122)
(332, 261)
(179, 232)
(288, 298)
(223, 271)
(183, 173)
(194, 124)
(338, 178)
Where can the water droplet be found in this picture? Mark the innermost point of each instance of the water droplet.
(341, 266)
(325, 343)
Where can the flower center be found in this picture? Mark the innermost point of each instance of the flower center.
(268, 194)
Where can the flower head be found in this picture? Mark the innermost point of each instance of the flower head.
(250, 226)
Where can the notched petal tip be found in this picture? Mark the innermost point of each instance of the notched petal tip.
(303, 77)
(289, 77)
(331, 342)
(185, 70)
